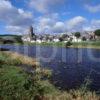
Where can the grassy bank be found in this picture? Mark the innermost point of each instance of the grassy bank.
(17, 84)
(85, 44)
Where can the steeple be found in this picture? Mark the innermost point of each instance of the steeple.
(31, 33)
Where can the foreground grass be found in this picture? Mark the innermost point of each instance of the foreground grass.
(18, 59)
(16, 84)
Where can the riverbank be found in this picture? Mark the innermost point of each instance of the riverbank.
(90, 44)
(16, 83)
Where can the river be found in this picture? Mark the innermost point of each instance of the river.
(70, 66)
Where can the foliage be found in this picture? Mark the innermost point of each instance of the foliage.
(77, 34)
(8, 39)
(84, 38)
(60, 39)
(97, 32)
(68, 44)
(16, 84)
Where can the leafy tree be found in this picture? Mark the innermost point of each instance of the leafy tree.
(97, 32)
(68, 44)
(60, 39)
(84, 38)
(77, 34)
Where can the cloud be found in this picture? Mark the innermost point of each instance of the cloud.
(93, 9)
(13, 16)
(15, 29)
(76, 23)
(93, 25)
(45, 23)
(18, 20)
(59, 27)
(45, 6)
(54, 25)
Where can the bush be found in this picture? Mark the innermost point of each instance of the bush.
(68, 44)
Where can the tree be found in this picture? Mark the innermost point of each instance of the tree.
(97, 32)
(68, 44)
(84, 38)
(60, 39)
(77, 34)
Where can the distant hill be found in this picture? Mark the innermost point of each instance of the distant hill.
(6, 38)
(10, 35)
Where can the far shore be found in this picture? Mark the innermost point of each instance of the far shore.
(89, 45)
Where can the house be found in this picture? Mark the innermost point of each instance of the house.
(55, 40)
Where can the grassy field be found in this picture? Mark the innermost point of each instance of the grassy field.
(17, 84)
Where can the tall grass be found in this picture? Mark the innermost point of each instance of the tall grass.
(15, 58)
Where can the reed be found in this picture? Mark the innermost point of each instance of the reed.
(20, 59)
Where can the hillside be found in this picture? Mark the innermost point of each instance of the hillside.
(6, 39)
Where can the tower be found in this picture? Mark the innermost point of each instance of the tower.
(31, 33)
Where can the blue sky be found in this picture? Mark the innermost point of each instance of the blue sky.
(49, 16)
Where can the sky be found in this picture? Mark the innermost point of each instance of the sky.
(49, 16)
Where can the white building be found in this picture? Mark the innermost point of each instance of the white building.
(26, 39)
(56, 40)
(75, 39)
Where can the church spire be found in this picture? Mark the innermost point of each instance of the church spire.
(31, 33)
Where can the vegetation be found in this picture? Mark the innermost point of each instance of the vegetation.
(84, 38)
(77, 34)
(17, 84)
(10, 39)
(97, 32)
(68, 44)
(84, 44)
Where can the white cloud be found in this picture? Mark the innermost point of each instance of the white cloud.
(14, 29)
(59, 27)
(46, 23)
(93, 25)
(76, 23)
(53, 25)
(12, 16)
(93, 9)
(45, 6)
(95, 22)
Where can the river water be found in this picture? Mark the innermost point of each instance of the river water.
(70, 66)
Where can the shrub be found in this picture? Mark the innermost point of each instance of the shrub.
(68, 44)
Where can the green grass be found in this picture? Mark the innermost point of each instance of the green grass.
(46, 44)
(84, 44)
(88, 43)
